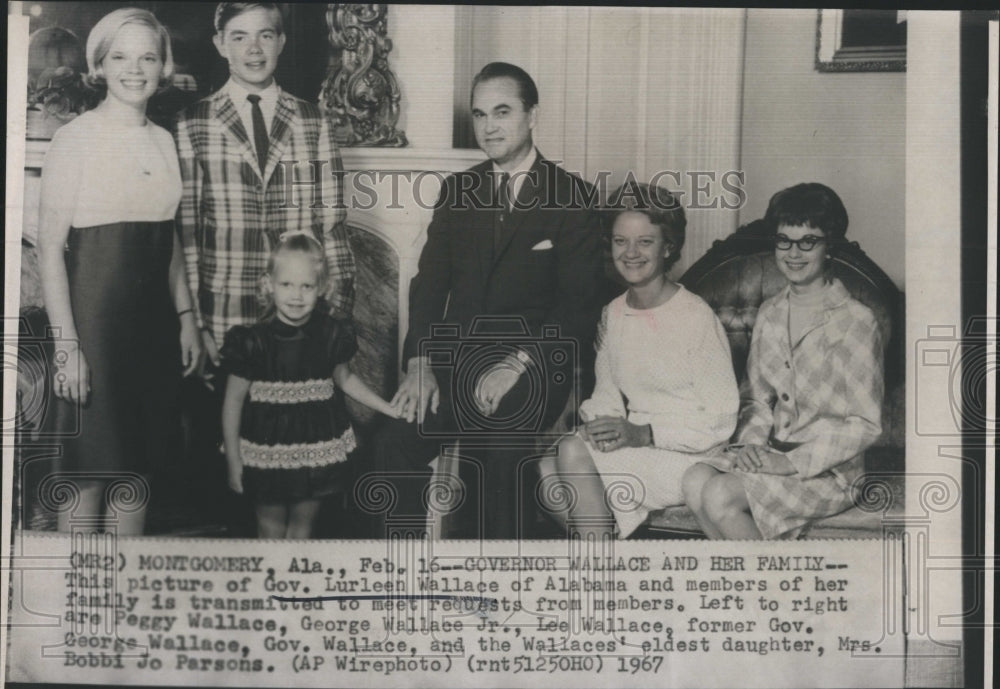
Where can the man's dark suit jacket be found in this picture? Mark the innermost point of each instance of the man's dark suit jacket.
(547, 268)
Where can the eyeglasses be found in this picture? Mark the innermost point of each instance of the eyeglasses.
(807, 243)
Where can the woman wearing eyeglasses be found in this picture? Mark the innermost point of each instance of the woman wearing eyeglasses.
(811, 402)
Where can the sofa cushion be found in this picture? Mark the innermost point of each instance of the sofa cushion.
(879, 508)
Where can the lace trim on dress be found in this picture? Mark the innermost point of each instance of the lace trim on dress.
(282, 392)
(299, 455)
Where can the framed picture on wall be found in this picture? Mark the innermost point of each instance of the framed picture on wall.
(849, 40)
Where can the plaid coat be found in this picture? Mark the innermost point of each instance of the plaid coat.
(230, 215)
(819, 401)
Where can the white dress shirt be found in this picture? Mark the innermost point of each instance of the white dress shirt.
(268, 104)
(517, 175)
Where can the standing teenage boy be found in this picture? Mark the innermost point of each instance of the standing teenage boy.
(236, 148)
(255, 162)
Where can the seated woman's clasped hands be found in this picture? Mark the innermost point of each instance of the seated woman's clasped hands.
(609, 433)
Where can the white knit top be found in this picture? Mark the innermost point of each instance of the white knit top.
(107, 172)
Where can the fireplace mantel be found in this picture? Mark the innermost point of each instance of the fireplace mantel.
(355, 159)
(394, 214)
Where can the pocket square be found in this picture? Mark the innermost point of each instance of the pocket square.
(542, 245)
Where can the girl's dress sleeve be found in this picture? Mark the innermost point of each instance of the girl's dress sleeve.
(241, 353)
(607, 398)
(343, 341)
(854, 422)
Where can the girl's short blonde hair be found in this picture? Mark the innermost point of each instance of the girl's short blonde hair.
(300, 241)
(104, 32)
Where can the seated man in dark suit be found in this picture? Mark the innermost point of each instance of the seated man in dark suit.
(515, 247)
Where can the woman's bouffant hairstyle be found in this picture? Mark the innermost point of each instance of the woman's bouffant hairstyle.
(662, 207)
(291, 242)
(103, 35)
(812, 204)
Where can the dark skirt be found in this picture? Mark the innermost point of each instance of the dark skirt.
(129, 333)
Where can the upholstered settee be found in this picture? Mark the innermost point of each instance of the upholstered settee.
(735, 277)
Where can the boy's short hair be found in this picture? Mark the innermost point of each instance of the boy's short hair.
(104, 32)
(225, 11)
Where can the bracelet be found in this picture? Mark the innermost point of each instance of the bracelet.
(181, 313)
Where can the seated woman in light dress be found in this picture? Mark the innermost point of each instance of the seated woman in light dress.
(665, 394)
(812, 400)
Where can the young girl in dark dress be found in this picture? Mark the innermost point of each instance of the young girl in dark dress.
(285, 445)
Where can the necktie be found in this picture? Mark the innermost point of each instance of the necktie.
(260, 137)
(503, 194)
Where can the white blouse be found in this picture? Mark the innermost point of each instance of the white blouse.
(106, 172)
(672, 364)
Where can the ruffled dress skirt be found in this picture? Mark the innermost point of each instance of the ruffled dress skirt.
(295, 440)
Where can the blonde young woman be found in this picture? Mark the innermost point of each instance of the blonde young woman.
(112, 272)
(665, 395)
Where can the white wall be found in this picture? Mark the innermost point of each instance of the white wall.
(846, 130)
(423, 60)
(648, 89)
(934, 458)
(623, 89)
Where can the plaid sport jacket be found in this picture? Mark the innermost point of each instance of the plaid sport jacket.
(231, 215)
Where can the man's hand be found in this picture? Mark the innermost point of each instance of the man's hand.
(764, 460)
(609, 433)
(418, 389)
(494, 385)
